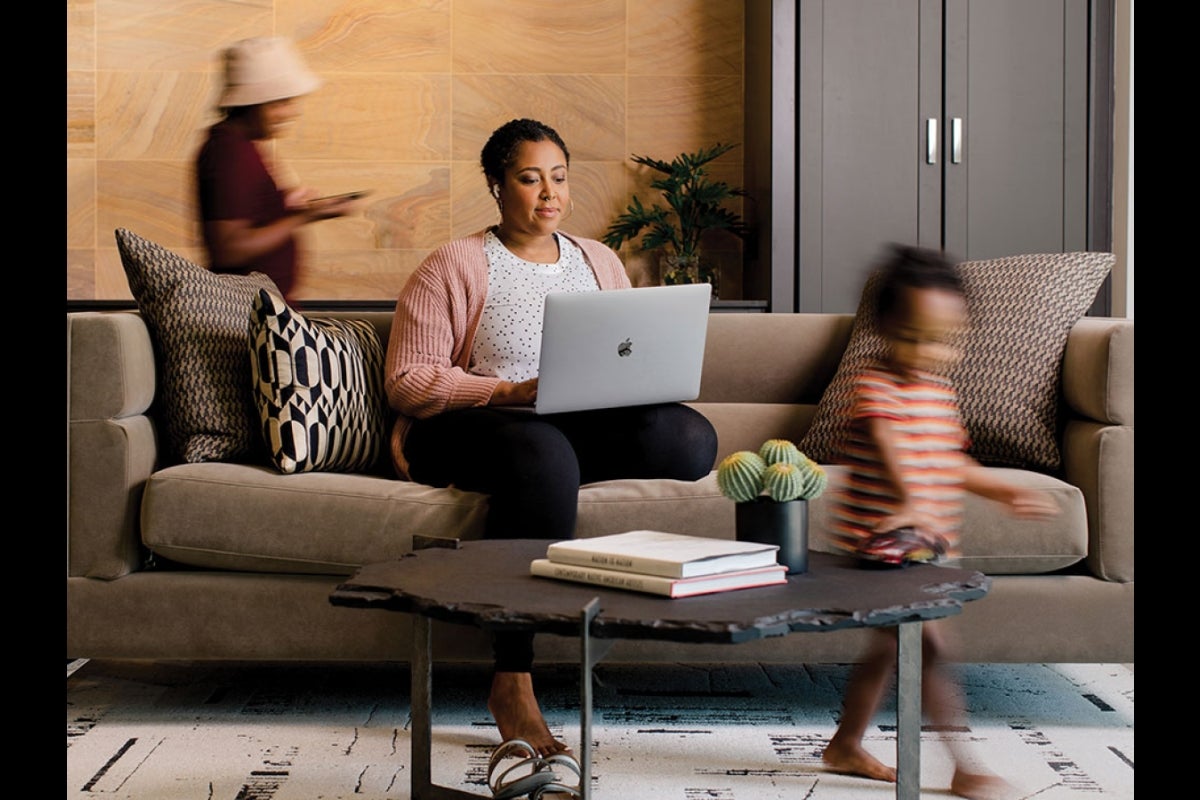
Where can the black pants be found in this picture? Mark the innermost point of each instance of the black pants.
(531, 468)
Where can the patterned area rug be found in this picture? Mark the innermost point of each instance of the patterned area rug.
(151, 731)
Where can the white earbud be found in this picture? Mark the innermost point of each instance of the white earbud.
(496, 191)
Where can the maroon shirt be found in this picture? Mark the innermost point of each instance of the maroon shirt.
(234, 183)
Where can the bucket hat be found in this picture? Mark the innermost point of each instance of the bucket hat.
(263, 69)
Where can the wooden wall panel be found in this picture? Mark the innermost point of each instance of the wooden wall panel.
(412, 89)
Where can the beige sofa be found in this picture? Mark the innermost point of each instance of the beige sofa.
(232, 561)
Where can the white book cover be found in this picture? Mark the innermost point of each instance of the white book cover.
(656, 584)
(671, 555)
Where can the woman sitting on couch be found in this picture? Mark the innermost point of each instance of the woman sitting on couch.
(464, 344)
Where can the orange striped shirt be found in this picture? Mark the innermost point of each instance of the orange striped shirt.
(930, 445)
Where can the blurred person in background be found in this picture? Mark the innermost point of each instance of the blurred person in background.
(249, 219)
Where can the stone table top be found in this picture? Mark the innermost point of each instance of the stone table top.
(487, 584)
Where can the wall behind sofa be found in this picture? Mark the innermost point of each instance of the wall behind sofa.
(412, 90)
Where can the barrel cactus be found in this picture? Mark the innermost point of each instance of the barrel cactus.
(782, 481)
(739, 476)
(780, 451)
(778, 471)
(815, 479)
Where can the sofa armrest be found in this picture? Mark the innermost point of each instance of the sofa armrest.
(1098, 370)
(1098, 438)
(111, 444)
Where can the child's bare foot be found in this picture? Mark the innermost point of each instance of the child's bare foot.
(514, 706)
(852, 759)
(980, 786)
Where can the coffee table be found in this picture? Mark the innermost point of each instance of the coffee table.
(487, 584)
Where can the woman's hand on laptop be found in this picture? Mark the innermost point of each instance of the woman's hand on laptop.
(507, 393)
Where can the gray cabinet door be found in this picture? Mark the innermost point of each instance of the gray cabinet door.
(1016, 76)
(858, 142)
(946, 123)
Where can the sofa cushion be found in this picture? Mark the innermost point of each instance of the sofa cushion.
(318, 387)
(253, 519)
(1021, 310)
(993, 541)
(197, 322)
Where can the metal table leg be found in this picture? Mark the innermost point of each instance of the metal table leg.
(422, 725)
(908, 711)
(423, 787)
(590, 653)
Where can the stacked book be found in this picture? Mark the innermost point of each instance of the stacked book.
(670, 564)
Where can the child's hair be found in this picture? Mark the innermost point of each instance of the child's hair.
(909, 267)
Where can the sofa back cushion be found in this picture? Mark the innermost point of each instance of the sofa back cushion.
(771, 358)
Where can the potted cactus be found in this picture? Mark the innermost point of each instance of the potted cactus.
(772, 488)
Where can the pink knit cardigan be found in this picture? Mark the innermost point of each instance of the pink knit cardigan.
(433, 331)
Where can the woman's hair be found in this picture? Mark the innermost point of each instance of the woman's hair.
(501, 148)
(910, 267)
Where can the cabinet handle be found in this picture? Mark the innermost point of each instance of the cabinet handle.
(931, 141)
(956, 129)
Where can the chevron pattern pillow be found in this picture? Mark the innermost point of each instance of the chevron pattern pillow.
(197, 322)
(318, 387)
(1021, 309)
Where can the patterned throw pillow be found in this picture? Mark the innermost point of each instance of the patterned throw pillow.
(318, 386)
(197, 321)
(1021, 309)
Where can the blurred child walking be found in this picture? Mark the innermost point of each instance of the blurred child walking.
(903, 497)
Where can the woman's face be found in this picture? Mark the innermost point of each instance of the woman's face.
(535, 192)
(274, 119)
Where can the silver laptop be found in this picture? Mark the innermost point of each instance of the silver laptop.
(622, 347)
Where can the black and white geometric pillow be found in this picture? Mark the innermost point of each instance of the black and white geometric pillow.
(318, 386)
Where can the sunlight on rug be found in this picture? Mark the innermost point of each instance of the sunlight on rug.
(144, 731)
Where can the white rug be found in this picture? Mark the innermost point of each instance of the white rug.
(159, 731)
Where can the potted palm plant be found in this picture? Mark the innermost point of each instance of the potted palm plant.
(694, 205)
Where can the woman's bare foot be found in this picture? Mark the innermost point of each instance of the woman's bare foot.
(852, 759)
(515, 708)
(980, 786)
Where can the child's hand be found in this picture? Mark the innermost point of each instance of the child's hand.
(1030, 504)
(1026, 504)
(904, 517)
(1021, 502)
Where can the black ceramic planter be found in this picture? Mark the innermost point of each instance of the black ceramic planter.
(785, 524)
